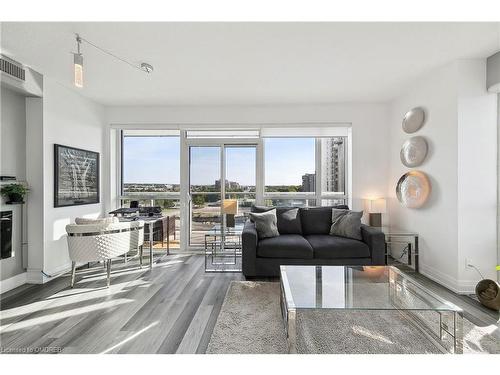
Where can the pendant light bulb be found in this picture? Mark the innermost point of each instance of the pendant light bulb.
(78, 64)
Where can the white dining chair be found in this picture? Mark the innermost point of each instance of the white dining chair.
(102, 240)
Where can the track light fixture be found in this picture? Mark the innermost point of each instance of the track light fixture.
(78, 61)
(78, 64)
(148, 68)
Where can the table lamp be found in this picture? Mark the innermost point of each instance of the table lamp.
(377, 207)
(230, 209)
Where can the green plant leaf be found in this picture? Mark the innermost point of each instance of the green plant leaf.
(16, 189)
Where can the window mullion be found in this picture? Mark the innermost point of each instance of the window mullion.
(319, 172)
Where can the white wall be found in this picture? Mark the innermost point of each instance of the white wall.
(477, 179)
(72, 120)
(370, 130)
(498, 185)
(458, 127)
(34, 176)
(13, 163)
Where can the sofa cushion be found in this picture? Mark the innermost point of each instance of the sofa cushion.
(317, 220)
(265, 223)
(346, 223)
(288, 218)
(285, 246)
(332, 247)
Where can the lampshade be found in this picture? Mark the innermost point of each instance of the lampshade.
(78, 69)
(78, 64)
(377, 206)
(230, 206)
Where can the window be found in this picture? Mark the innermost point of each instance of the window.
(205, 190)
(151, 165)
(289, 165)
(295, 166)
(290, 202)
(218, 134)
(151, 172)
(241, 178)
(333, 160)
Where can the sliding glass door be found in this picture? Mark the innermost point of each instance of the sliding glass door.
(205, 191)
(222, 187)
(240, 167)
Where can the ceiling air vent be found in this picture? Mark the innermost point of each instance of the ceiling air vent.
(11, 68)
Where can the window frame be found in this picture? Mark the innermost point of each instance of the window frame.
(314, 130)
(174, 195)
(318, 195)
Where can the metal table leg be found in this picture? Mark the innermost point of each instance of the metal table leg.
(292, 331)
(290, 320)
(168, 235)
(458, 339)
(409, 253)
(151, 225)
(416, 253)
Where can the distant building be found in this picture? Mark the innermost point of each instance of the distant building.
(309, 182)
(229, 185)
(333, 154)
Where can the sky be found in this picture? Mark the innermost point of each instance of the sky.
(156, 160)
(151, 160)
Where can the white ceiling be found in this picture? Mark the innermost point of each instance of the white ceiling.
(247, 63)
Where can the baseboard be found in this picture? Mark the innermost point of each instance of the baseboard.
(455, 285)
(439, 277)
(56, 272)
(467, 286)
(36, 276)
(13, 282)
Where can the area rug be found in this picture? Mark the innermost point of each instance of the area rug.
(250, 322)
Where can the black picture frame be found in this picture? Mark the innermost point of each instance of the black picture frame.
(66, 188)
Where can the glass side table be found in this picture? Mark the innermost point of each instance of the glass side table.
(223, 249)
(409, 239)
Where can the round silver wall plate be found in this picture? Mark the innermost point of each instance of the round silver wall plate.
(413, 152)
(413, 189)
(413, 120)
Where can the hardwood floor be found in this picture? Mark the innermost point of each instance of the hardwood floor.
(170, 309)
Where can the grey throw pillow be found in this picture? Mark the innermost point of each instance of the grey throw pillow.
(346, 223)
(265, 223)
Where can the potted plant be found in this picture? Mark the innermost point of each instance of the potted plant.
(14, 193)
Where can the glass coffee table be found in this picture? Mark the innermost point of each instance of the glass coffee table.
(355, 288)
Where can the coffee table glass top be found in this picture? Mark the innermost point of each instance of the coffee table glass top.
(357, 287)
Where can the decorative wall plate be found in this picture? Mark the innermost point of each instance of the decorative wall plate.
(413, 152)
(413, 120)
(413, 189)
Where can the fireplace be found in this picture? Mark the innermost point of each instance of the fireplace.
(6, 234)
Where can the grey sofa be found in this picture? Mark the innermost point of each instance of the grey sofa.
(305, 240)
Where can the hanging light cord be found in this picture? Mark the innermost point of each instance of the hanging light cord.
(109, 53)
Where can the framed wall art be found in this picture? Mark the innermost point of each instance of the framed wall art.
(76, 176)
